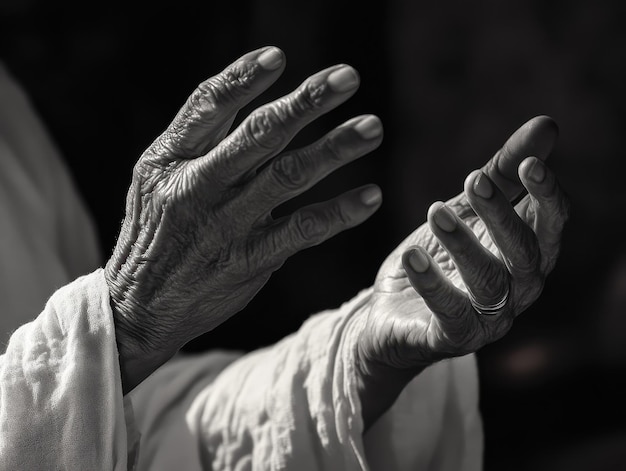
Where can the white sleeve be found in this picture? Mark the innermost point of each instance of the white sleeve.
(294, 406)
(61, 403)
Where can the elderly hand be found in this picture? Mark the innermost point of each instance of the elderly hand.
(458, 282)
(198, 240)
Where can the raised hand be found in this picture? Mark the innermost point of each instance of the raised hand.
(198, 240)
(458, 281)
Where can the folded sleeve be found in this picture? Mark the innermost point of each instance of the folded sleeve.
(61, 402)
(294, 406)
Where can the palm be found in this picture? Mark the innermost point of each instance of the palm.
(401, 327)
(420, 311)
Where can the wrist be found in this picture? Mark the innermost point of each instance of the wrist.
(137, 358)
(378, 383)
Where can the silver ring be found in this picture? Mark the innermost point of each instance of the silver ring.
(489, 309)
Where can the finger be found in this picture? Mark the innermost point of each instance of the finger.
(514, 239)
(316, 223)
(449, 304)
(482, 272)
(536, 137)
(292, 173)
(209, 112)
(270, 128)
(547, 211)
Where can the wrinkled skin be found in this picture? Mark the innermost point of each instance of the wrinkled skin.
(418, 316)
(198, 240)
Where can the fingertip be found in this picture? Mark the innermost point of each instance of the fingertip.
(433, 209)
(536, 137)
(369, 127)
(271, 58)
(540, 182)
(532, 169)
(343, 78)
(416, 259)
(440, 215)
(547, 124)
(471, 180)
(371, 196)
(542, 133)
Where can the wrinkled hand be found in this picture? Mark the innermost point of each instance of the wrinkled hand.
(474, 246)
(198, 240)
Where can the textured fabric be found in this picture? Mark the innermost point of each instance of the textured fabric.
(293, 406)
(61, 404)
(288, 406)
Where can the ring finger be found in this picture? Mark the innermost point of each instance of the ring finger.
(514, 239)
(484, 275)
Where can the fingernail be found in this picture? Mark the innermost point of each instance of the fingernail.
(270, 59)
(482, 186)
(371, 196)
(343, 79)
(537, 172)
(419, 261)
(369, 128)
(445, 219)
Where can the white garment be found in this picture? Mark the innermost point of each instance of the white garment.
(293, 406)
(289, 406)
(61, 403)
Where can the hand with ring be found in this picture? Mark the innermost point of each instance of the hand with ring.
(458, 282)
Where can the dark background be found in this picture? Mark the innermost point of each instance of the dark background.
(450, 80)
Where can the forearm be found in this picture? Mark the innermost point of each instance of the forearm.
(297, 405)
(378, 385)
(294, 402)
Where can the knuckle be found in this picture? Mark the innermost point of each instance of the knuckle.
(175, 141)
(203, 103)
(332, 149)
(165, 147)
(309, 97)
(289, 172)
(146, 172)
(266, 129)
(228, 86)
(490, 281)
(310, 227)
(239, 77)
(531, 257)
(256, 255)
(501, 217)
(338, 215)
(432, 289)
(524, 265)
(464, 253)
